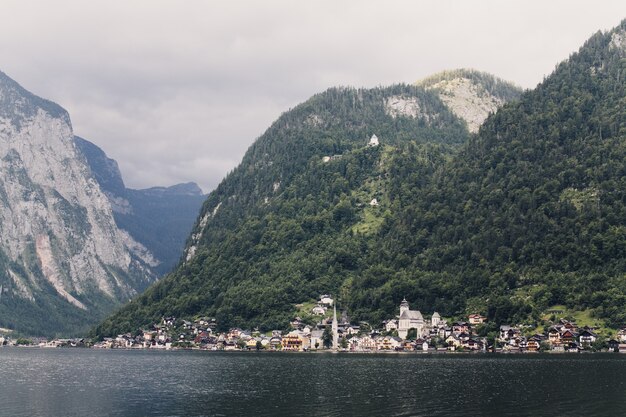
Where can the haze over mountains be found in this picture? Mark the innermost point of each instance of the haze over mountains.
(64, 262)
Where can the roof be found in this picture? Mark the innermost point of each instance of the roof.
(412, 315)
(435, 314)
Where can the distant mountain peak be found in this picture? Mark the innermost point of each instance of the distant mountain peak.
(18, 104)
(187, 188)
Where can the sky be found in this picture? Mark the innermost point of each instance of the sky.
(176, 91)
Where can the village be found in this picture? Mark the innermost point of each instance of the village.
(409, 331)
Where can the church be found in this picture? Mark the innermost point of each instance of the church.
(411, 319)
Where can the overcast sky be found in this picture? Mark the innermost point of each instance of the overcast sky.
(176, 91)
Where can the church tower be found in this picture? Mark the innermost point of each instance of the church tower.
(335, 329)
(404, 306)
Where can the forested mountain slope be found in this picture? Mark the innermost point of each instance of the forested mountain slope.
(530, 214)
(296, 218)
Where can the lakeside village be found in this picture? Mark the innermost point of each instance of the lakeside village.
(409, 331)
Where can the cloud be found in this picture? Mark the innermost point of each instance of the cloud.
(177, 91)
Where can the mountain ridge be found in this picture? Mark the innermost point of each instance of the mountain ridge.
(159, 218)
(296, 215)
(63, 261)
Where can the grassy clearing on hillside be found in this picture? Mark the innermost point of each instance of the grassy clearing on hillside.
(582, 318)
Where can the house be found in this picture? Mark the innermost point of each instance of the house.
(463, 337)
(390, 325)
(373, 141)
(367, 343)
(587, 337)
(408, 345)
(276, 343)
(316, 339)
(295, 341)
(389, 343)
(251, 344)
(326, 300)
(234, 333)
(435, 320)
(568, 336)
(351, 330)
(374, 202)
(621, 335)
(230, 345)
(318, 310)
(477, 319)
(461, 327)
(613, 345)
(453, 342)
(554, 336)
(472, 344)
(443, 331)
(507, 333)
(533, 344)
(569, 325)
(168, 321)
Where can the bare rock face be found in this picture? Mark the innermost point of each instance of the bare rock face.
(402, 106)
(466, 101)
(471, 95)
(618, 41)
(56, 225)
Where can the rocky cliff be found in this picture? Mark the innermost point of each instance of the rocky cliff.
(60, 248)
(160, 218)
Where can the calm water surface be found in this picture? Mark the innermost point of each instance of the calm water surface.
(79, 382)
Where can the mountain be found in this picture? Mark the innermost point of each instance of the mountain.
(63, 261)
(160, 218)
(530, 214)
(302, 213)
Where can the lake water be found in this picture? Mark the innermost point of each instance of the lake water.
(79, 382)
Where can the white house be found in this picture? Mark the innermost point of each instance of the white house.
(587, 337)
(318, 310)
(326, 300)
(391, 325)
(435, 320)
(373, 141)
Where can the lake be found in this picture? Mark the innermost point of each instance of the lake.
(79, 382)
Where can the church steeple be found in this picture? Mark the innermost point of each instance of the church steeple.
(335, 329)
(404, 306)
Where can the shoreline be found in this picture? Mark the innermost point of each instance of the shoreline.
(323, 352)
